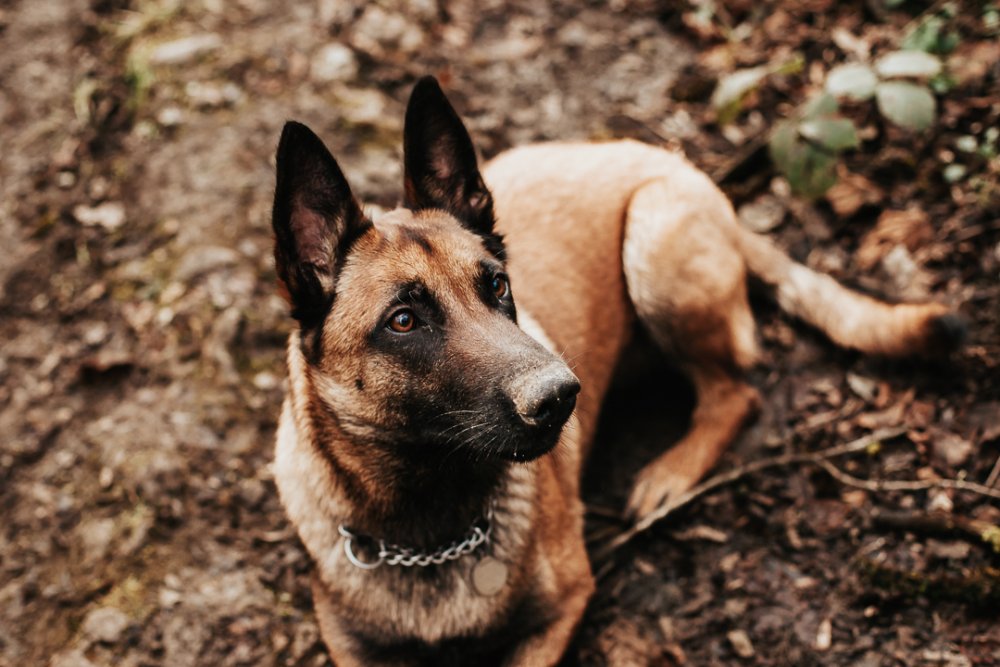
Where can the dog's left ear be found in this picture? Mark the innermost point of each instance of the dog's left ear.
(316, 220)
(440, 161)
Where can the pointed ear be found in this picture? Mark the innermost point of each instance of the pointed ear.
(315, 220)
(440, 161)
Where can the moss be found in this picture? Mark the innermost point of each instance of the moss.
(979, 587)
(991, 536)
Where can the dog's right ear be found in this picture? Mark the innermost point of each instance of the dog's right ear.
(440, 161)
(315, 220)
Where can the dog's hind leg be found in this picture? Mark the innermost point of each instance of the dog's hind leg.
(687, 281)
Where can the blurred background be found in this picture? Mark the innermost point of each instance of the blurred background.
(142, 339)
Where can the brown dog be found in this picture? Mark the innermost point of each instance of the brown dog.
(415, 447)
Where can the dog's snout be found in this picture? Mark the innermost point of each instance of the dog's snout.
(548, 399)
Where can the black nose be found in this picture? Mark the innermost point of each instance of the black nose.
(552, 405)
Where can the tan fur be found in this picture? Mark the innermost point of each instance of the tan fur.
(598, 235)
(603, 232)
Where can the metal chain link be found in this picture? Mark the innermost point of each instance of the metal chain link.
(394, 554)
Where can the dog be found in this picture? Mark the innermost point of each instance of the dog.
(430, 444)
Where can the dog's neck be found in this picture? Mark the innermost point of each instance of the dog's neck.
(414, 500)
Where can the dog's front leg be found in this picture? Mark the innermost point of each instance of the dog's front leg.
(547, 647)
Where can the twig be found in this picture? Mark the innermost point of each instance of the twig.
(905, 485)
(994, 477)
(820, 458)
(978, 530)
(740, 472)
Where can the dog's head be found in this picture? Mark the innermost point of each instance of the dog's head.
(408, 323)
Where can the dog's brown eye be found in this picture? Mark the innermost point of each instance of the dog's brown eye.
(403, 321)
(501, 288)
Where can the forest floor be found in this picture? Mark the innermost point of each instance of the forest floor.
(142, 357)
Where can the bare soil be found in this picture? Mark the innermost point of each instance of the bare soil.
(142, 356)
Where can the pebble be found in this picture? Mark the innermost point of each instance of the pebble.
(763, 214)
(170, 116)
(202, 260)
(184, 50)
(106, 624)
(334, 62)
(109, 215)
(741, 643)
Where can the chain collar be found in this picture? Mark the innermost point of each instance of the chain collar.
(394, 554)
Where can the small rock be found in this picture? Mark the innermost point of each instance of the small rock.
(864, 387)
(170, 116)
(252, 492)
(763, 214)
(939, 502)
(202, 260)
(378, 31)
(105, 624)
(306, 637)
(334, 62)
(206, 95)
(908, 279)
(948, 550)
(184, 50)
(950, 448)
(741, 643)
(109, 215)
(70, 658)
(824, 635)
(95, 537)
(265, 381)
(95, 333)
(362, 105)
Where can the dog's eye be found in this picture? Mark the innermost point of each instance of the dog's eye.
(402, 321)
(500, 286)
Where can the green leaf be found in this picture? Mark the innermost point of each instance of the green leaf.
(854, 81)
(819, 105)
(833, 134)
(930, 36)
(729, 93)
(906, 104)
(809, 170)
(954, 172)
(915, 64)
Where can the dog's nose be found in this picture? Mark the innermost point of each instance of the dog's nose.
(548, 399)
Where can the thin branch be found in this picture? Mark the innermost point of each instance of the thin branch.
(976, 530)
(994, 477)
(905, 485)
(820, 458)
(740, 472)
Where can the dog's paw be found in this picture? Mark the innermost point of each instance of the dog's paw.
(657, 484)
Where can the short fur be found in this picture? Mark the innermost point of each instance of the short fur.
(419, 396)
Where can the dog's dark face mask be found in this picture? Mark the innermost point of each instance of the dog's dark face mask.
(408, 323)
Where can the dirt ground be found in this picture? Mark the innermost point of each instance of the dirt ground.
(142, 365)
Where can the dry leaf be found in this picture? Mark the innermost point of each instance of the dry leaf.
(910, 228)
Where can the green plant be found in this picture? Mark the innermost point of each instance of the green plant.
(806, 147)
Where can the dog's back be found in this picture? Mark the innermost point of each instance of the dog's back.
(601, 232)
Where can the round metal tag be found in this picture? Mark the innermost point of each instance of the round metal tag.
(489, 576)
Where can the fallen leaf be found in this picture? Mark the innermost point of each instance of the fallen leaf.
(951, 448)
(851, 192)
(910, 228)
(763, 214)
(741, 643)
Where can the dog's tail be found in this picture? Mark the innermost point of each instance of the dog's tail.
(851, 319)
